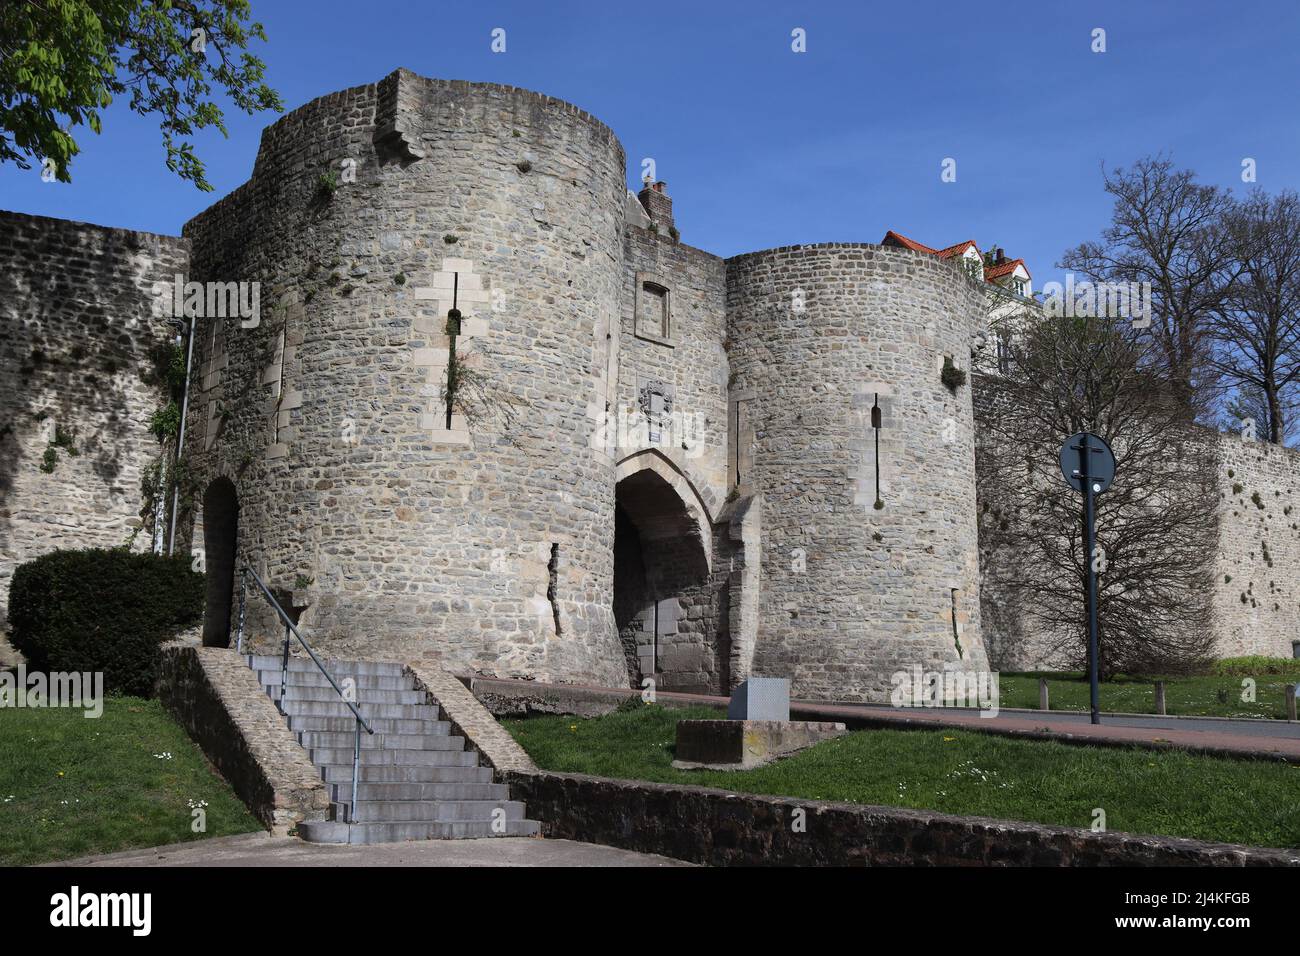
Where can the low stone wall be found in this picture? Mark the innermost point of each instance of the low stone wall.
(469, 718)
(721, 828)
(514, 698)
(215, 696)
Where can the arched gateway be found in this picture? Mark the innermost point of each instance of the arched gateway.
(662, 559)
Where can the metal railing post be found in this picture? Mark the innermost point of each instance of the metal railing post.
(290, 632)
(284, 667)
(356, 772)
(243, 588)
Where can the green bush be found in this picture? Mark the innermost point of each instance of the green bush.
(102, 610)
(1256, 667)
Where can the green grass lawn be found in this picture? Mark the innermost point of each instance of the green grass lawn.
(1251, 802)
(1188, 696)
(71, 786)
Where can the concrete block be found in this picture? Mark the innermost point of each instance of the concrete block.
(744, 744)
(760, 698)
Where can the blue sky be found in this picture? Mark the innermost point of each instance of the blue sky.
(761, 146)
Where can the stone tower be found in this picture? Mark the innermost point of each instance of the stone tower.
(495, 410)
(394, 524)
(863, 458)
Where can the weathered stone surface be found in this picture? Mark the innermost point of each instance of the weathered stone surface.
(469, 718)
(721, 828)
(686, 490)
(76, 328)
(215, 696)
(858, 583)
(743, 744)
(1255, 603)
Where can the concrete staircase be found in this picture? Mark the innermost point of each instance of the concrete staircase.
(417, 781)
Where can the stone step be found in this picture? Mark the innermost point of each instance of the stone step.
(364, 695)
(317, 679)
(329, 831)
(342, 792)
(453, 756)
(336, 708)
(416, 779)
(269, 662)
(324, 740)
(466, 771)
(430, 811)
(381, 725)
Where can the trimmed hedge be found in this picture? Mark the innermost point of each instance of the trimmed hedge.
(1256, 666)
(102, 610)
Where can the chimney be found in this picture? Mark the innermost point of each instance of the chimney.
(999, 258)
(658, 204)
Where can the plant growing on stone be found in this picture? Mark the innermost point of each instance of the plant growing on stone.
(952, 377)
(166, 422)
(65, 438)
(470, 392)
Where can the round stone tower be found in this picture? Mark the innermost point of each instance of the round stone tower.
(398, 230)
(864, 458)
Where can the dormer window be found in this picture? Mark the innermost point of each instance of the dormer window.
(1018, 285)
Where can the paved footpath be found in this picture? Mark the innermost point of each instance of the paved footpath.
(1271, 739)
(261, 849)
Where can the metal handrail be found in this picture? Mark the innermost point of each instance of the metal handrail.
(292, 629)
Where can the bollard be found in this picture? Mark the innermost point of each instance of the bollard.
(1042, 694)
(1290, 701)
(1160, 697)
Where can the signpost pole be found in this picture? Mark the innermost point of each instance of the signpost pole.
(1089, 556)
(1093, 475)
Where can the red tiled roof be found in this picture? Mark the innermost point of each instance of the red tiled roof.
(990, 272)
(1004, 269)
(897, 239)
(958, 249)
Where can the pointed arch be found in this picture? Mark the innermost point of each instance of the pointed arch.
(696, 508)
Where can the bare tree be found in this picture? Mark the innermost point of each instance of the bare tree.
(1156, 524)
(1257, 325)
(1248, 407)
(1166, 230)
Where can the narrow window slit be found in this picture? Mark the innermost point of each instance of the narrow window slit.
(956, 639)
(553, 571)
(453, 331)
(875, 426)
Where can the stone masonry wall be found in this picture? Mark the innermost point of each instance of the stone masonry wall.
(721, 828)
(855, 588)
(215, 696)
(489, 545)
(1257, 565)
(1256, 579)
(690, 364)
(76, 328)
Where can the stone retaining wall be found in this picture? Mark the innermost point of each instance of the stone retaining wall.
(215, 696)
(720, 828)
(470, 719)
(76, 333)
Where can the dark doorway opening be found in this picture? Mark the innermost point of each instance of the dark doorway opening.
(220, 537)
(660, 573)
